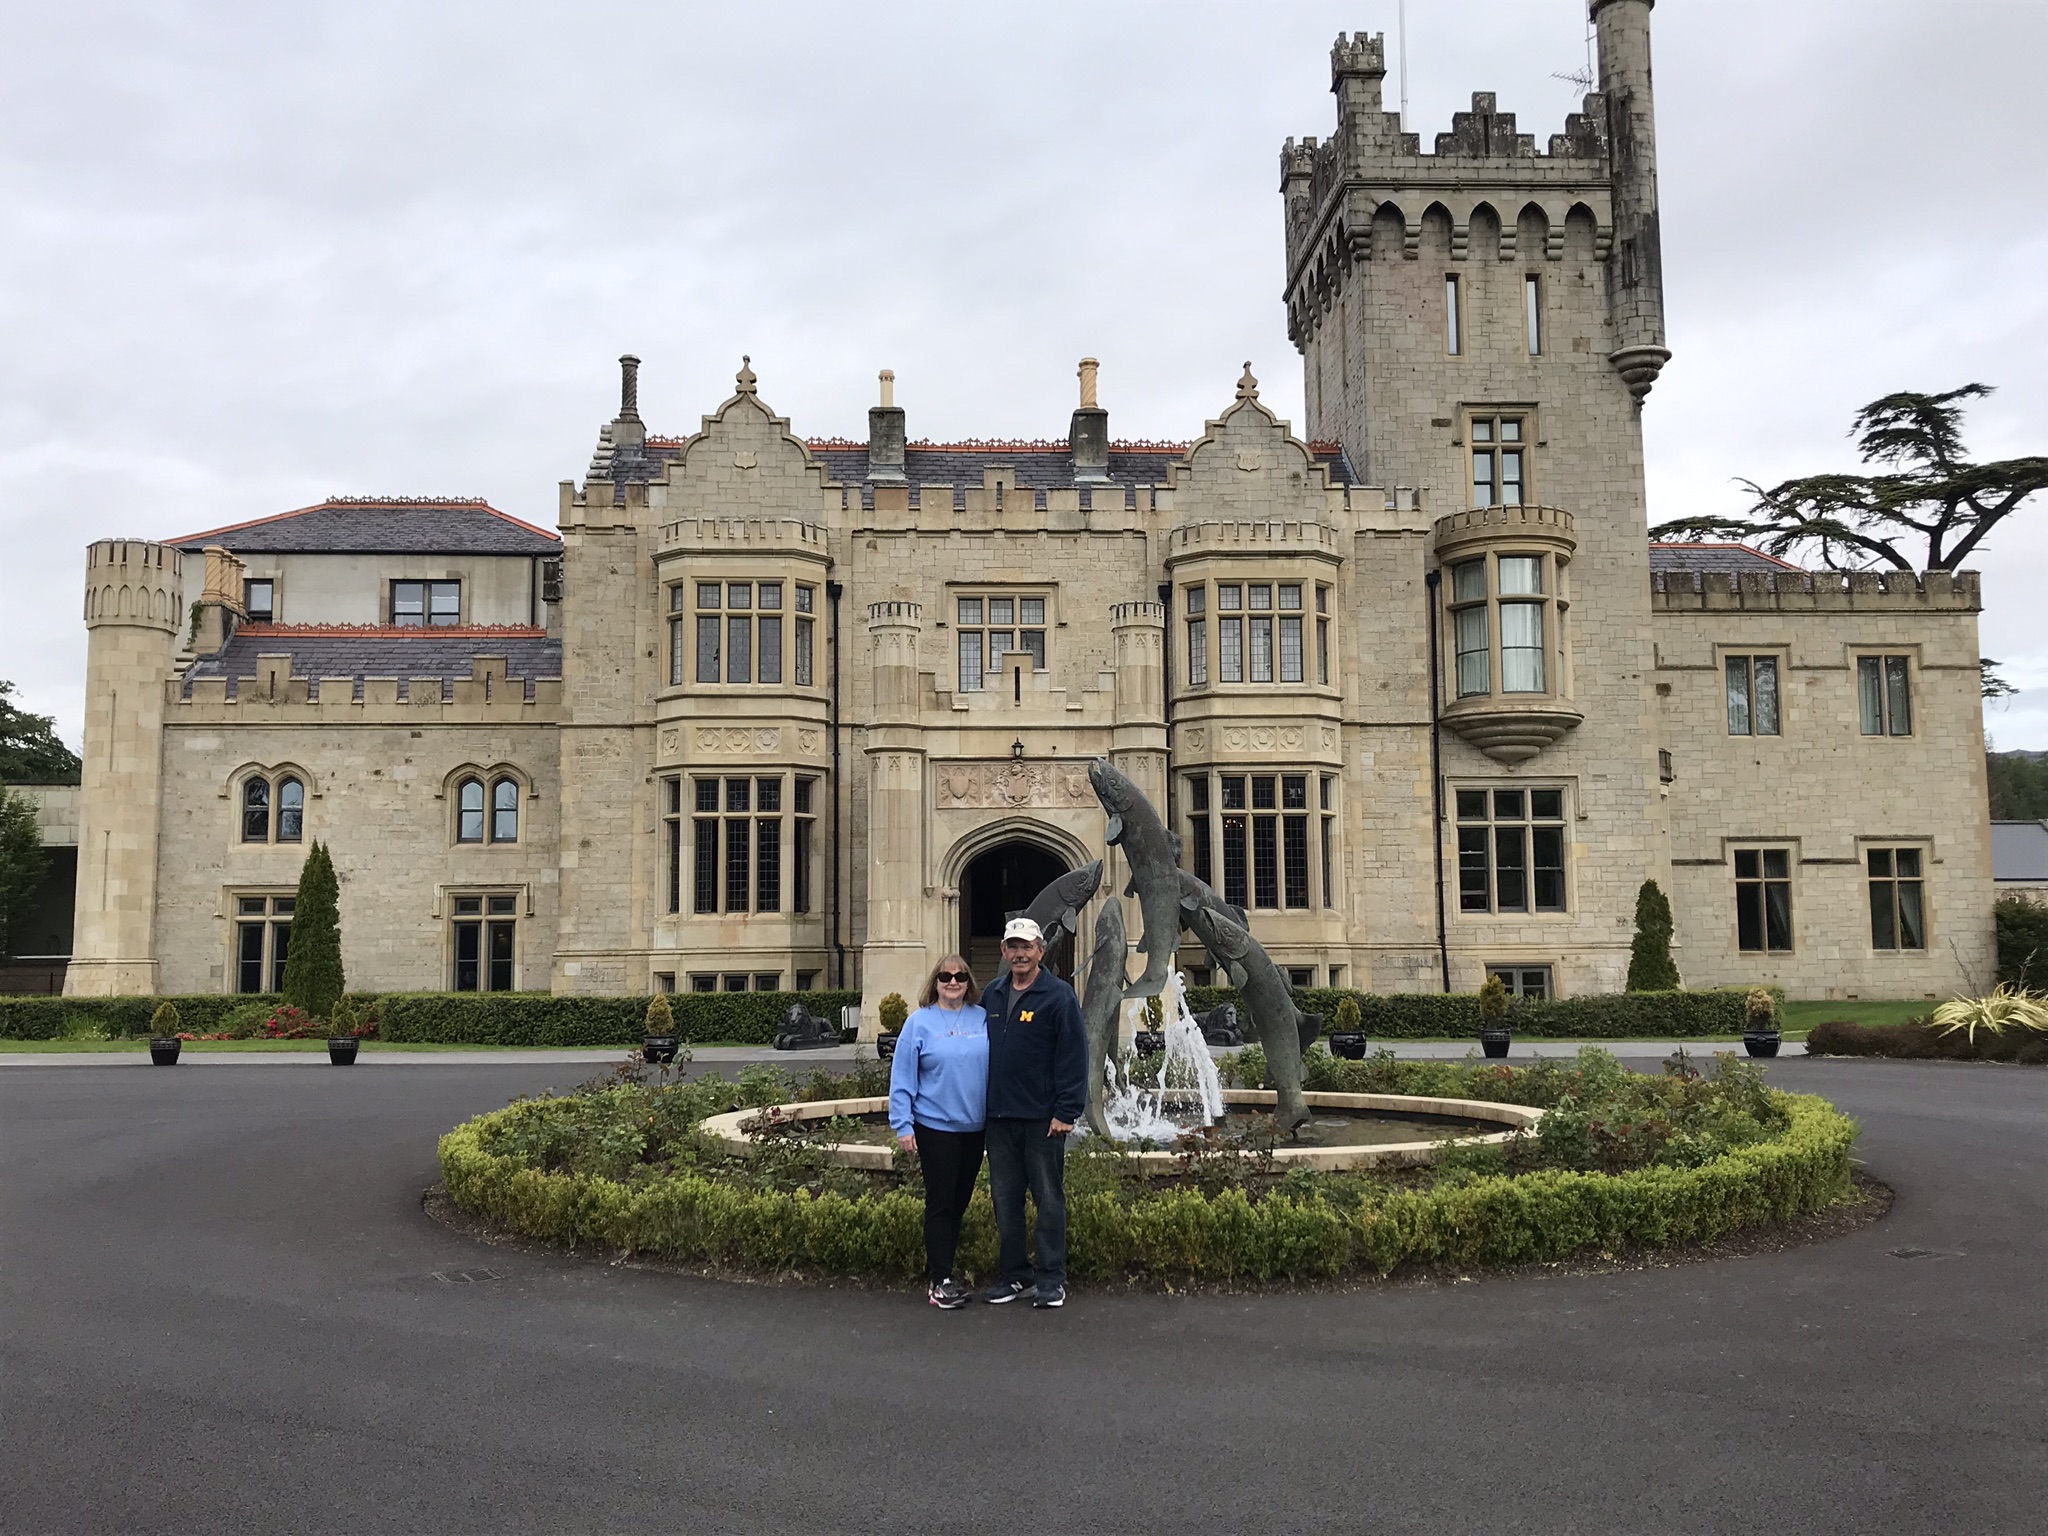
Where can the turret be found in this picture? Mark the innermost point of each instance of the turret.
(894, 957)
(1635, 272)
(134, 614)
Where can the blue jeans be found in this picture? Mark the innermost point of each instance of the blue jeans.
(1021, 1155)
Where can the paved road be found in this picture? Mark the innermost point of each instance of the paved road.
(223, 1310)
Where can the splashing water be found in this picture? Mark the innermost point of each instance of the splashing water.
(1138, 1113)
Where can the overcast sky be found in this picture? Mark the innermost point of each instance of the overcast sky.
(254, 254)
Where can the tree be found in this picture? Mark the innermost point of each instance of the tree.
(312, 970)
(22, 866)
(30, 752)
(1929, 491)
(1650, 967)
(2018, 782)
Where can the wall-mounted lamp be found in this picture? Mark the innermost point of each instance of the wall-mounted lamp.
(1017, 749)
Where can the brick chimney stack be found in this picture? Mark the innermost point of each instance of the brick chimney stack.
(886, 435)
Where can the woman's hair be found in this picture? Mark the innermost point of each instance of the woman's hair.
(930, 996)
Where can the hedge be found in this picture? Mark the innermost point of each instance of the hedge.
(447, 1018)
(537, 1018)
(2022, 929)
(1455, 1015)
(1918, 1040)
(1176, 1234)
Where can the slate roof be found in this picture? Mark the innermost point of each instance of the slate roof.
(383, 525)
(1714, 557)
(371, 650)
(2019, 850)
(1040, 466)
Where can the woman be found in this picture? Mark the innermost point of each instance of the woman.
(938, 1092)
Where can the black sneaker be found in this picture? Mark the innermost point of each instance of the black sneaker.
(1050, 1296)
(949, 1294)
(1004, 1290)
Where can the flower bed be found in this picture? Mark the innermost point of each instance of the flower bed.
(1631, 1162)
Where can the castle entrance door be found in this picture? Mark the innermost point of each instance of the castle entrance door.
(998, 883)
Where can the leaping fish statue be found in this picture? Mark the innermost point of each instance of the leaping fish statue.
(1057, 908)
(1101, 1002)
(1135, 827)
(1267, 996)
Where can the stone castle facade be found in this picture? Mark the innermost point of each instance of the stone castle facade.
(769, 712)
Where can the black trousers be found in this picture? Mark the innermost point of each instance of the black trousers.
(952, 1161)
(1021, 1156)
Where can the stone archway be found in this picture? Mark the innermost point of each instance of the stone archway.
(996, 882)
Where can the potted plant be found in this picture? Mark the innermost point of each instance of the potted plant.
(343, 1033)
(1151, 1040)
(1493, 1017)
(658, 1039)
(1348, 1038)
(1760, 1033)
(164, 1043)
(890, 1013)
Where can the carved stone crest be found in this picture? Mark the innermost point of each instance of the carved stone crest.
(1007, 786)
(732, 738)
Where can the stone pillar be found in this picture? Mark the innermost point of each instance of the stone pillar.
(134, 614)
(1137, 746)
(894, 958)
(1635, 270)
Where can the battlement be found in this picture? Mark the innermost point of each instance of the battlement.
(487, 696)
(134, 582)
(1277, 536)
(1489, 525)
(1363, 53)
(1682, 591)
(757, 535)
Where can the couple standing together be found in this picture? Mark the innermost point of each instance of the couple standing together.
(1006, 1075)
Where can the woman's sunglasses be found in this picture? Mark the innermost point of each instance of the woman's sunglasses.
(960, 976)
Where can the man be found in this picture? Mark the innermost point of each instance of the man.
(1037, 1087)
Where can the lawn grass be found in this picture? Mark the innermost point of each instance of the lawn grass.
(1802, 1016)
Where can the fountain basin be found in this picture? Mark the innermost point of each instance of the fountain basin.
(732, 1129)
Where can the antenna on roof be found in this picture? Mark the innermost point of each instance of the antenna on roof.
(1401, 41)
(1584, 79)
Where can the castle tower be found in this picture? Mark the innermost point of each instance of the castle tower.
(894, 958)
(134, 613)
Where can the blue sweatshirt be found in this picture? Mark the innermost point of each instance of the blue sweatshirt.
(939, 1077)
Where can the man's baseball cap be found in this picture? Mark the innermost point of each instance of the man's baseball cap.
(1023, 928)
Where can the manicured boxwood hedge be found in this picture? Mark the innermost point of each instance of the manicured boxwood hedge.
(1422, 1015)
(536, 1018)
(1177, 1234)
(51, 1018)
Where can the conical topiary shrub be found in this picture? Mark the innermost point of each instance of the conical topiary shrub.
(312, 970)
(1650, 966)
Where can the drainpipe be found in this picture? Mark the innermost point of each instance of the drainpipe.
(833, 591)
(1433, 580)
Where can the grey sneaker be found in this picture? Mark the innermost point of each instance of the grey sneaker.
(1004, 1290)
(1050, 1296)
(949, 1294)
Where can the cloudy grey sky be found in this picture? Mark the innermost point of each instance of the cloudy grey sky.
(254, 254)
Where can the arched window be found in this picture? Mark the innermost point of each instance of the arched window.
(291, 810)
(505, 811)
(469, 811)
(256, 810)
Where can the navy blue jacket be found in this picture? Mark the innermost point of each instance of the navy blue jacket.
(1037, 1051)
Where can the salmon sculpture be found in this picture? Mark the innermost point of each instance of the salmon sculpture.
(1283, 1030)
(1101, 1004)
(1155, 880)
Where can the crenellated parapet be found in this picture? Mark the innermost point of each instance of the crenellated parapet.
(750, 535)
(134, 582)
(1681, 591)
(278, 695)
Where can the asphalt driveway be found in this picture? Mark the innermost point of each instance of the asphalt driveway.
(223, 1309)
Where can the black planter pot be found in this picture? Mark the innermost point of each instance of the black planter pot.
(1348, 1044)
(1494, 1042)
(885, 1047)
(164, 1053)
(1149, 1042)
(1762, 1045)
(659, 1049)
(341, 1050)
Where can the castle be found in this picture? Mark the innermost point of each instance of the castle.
(769, 712)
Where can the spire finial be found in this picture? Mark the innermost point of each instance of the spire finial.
(1247, 387)
(745, 377)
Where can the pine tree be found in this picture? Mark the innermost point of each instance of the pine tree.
(312, 970)
(1650, 966)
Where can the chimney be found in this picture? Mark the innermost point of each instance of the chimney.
(1088, 438)
(629, 430)
(220, 601)
(885, 435)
